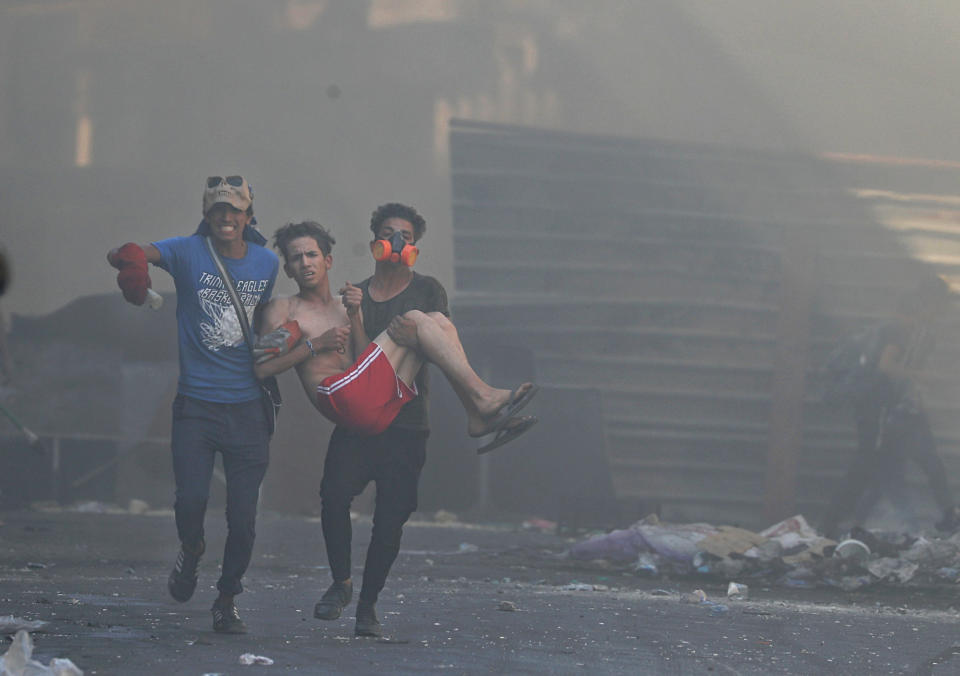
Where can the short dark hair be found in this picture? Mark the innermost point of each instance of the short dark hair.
(291, 231)
(397, 210)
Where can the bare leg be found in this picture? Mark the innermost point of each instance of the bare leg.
(439, 343)
(405, 361)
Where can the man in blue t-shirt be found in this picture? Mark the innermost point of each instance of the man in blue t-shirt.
(218, 407)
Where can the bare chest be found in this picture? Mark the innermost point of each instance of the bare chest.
(317, 318)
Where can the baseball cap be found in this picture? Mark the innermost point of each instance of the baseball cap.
(233, 190)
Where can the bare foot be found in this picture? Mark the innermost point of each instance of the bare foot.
(504, 404)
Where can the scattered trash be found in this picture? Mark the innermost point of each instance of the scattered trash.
(789, 552)
(619, 545)
(738, 591)
(696, 596)
(948, 573)
(852, 549)
(646, 565)
(795, 524)
(18, 660)
(883, 543)
(543, 525)
(765, 552)
(674, 542)
(897, 570)
(11, 625)
(798, 582)
(729, 540)
(577, 586)
(507, 606)
(854, 582)
(247, 659)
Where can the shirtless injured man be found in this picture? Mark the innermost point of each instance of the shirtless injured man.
(318, 334)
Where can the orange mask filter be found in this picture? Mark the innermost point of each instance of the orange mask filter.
(395, 249)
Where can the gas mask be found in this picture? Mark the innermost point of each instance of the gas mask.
(396, 249)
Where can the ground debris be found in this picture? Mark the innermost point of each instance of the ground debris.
(18, 661)
(790, 553)
(248, 659)
(11, 625)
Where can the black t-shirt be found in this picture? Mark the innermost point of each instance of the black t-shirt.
(425, 294)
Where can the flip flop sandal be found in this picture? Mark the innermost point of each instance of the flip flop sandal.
(504, 434)
(513, 406)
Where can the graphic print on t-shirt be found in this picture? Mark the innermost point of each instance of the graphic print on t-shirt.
(223, 329)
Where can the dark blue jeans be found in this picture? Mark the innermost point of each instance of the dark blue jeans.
(393, 461)
(887, 438)
(238, 432)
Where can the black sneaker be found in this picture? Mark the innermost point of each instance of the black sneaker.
(226, 619)
(183, 577)
(367, 622)
(333, 601)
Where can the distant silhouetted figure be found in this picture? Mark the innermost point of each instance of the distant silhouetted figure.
(892, 425)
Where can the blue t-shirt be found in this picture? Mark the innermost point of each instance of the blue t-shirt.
(215, 362)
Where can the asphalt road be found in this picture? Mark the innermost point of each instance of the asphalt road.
(461, 600)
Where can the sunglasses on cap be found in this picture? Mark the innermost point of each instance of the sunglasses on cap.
(214, 181)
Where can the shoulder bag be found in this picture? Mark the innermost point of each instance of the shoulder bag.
(269, 388)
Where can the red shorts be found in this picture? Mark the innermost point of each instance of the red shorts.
(367, 396)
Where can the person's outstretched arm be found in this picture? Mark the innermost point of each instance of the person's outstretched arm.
(131, 261)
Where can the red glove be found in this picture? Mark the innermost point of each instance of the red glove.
(279, 341)
(133, 278)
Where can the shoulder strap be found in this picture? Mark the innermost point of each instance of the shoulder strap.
(232, 290)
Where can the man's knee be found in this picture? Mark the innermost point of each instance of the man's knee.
(444, 323)
(388, 524)
(417, 316)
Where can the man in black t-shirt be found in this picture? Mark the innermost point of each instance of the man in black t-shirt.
(394, 458)
(892, 425)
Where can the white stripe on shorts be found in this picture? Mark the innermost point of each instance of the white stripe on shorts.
(327, 390)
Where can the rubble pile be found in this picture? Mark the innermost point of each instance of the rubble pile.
(790, 553)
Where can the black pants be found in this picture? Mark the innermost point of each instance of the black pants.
(393, 461)
(886, 439)
(238, 432)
